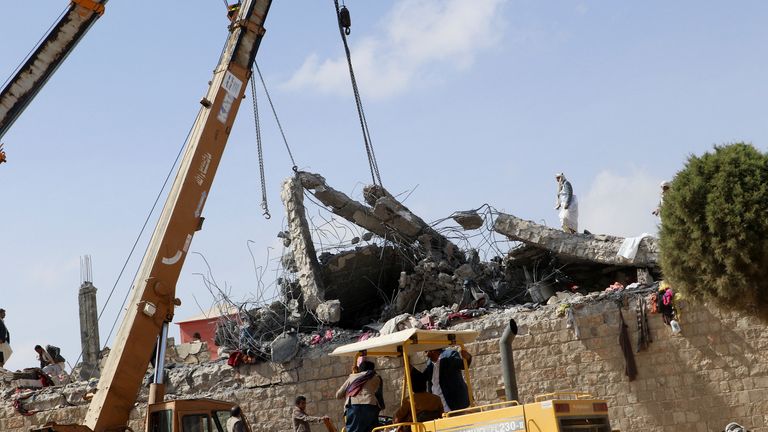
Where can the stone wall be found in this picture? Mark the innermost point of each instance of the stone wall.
(713, 373)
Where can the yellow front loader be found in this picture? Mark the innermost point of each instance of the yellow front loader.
(555, 412)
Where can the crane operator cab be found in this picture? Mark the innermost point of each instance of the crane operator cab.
(191, 415)
(198, 415)
(555, 412)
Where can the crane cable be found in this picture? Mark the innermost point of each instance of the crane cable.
(264, 204)
(257, 121)
(345, 23)
(277, 119)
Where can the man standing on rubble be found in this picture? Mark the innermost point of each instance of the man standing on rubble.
(567, 204)
(664, 189)
(444, 373)
(5, 340)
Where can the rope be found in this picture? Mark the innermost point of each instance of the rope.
(264, 204)
(274, 112)
(344, 26)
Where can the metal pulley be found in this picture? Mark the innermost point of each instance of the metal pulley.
(345, 20)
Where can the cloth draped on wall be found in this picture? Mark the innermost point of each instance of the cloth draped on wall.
(630, 368)
(643, 332)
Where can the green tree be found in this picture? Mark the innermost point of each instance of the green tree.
(714, 229)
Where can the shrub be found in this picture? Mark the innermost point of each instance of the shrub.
(714, 229)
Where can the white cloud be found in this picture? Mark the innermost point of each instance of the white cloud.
(620, 204)
(421, 36)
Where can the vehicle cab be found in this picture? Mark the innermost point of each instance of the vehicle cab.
(195, 415)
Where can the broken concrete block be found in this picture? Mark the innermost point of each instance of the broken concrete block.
(284, 348)
(594, 248)
(400, 322)
(560, 297)
(329, 312)
(541, 292)
(288, 263)
(465, 271)
(468, 220)
(189, 353)
(384, 214)
(341, 204)
(286, 236)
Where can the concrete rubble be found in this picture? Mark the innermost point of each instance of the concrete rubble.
(188, 353)
(402, 264)
(399, 272)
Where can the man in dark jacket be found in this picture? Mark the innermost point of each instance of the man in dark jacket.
(5, 336)
(444, 372)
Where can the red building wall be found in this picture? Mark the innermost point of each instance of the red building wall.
(207, 330)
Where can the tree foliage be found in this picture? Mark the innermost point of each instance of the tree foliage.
(714, 229)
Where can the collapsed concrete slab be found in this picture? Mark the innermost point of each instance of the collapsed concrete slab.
(386, 216)
(341, 204)
(406, 223)
(601, 249)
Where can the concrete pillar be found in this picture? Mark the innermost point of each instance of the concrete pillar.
(303, 248)
(89, 324)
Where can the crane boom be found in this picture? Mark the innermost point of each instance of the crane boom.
(153, 292)
(46, 58)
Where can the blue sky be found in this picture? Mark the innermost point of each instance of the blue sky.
(467, 102)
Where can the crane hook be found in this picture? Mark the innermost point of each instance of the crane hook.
(345, 20)
(265, 207)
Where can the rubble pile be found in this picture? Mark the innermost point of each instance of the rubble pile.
(400, 264)
(402, 271)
